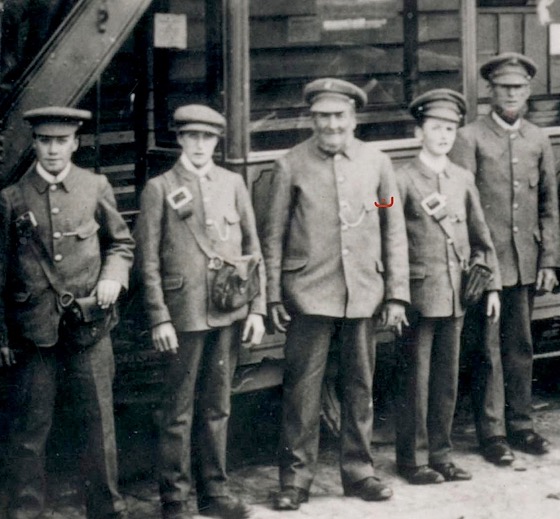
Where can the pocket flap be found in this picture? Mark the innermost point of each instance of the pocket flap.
(172, 282)
(417, 271)
(533, 180)
(232, 218)
(293, 263)
(21, 297)
(87, 230)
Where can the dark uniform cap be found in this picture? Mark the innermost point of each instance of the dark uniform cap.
(509, 68)
(440, 103)
(326, 94)
(199, 118)
(56, 121)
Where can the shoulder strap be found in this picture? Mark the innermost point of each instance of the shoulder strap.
(193, 224)
(37, 247)
(433, 205)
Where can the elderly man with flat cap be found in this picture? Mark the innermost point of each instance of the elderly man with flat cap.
(514, 171)
(61, 239)
(336, 257)
(193, 211)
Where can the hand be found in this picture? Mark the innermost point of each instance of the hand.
(164, 338)
(393, 314)
(493, 306)
(279, 316)
(107, 292)
(7, 357)
(546, 280)
(253, 331)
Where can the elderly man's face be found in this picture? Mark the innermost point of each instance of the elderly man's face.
(510, 99)
(54, 152)
(334, 129)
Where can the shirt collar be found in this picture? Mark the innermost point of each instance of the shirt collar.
(426, 168)
(510, 127)
(349, 150)
(53, 179)
(189, 166)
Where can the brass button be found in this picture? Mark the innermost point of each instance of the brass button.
(53, 187)
(514, 160)
(340, 180)
(344, 227)
(516, 183)
(345, 252)
(516, 205)
(58, 257)
(512, 135)
(56, 235)
(515, 228)
(55, 210)
(209, 221)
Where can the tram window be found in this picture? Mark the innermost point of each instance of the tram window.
(393, 49)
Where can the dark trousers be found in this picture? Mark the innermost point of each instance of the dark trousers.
(87, 378)
(428, 369)
(196, 398)
(501, 358)
(306, 353)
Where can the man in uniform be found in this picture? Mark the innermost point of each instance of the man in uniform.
(59, 222)
(191, 216)
(514, 170)
(334, 260)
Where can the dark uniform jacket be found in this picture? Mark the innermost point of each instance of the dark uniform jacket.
(177, 280)
(86, 240)
(328, 249)
(435, 270)
(514, 173)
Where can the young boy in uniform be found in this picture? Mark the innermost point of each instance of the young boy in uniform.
(187, 211)
(446, 234)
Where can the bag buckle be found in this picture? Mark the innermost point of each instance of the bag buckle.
(433, 203)
(215, 263)
(178, 198)
(66, 299)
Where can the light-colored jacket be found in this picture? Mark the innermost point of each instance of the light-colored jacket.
(175, 271)
(328, 249)
(435, 270)
(514, 173)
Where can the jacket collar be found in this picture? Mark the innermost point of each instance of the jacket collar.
(188, 174)
(489, 121)
(350, 151)
(428, 172)
(70, 182)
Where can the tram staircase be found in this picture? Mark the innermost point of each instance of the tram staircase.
(64, 70)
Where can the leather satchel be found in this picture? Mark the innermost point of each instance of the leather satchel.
(84, 322)
(475, 282)
(236, 283)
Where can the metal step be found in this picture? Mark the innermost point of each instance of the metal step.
(65, 69)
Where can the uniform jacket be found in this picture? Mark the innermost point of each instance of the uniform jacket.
(514, 173)
(328, 249)
(86, 240)
(174, 269)
(435, 271)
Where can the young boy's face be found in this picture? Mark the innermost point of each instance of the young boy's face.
(437, 136)
(198, 146)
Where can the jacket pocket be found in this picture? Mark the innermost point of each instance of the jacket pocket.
(291, 264)
(172, 282)
(533, 180)
(21, 297)
(87, 230)
(417, 271)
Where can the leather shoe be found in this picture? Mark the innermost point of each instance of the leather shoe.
(225, 507)
(451, 472)
(369, 489)
(421, 475)
(497, 451)
(289, 498)
(529, 441)
(174, 510)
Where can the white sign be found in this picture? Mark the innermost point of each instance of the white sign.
(170, 31)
